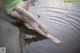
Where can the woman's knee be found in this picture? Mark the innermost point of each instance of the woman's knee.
(18, 8)
(22, 4)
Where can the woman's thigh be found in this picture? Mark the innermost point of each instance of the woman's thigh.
(17, 15)
(21, 17)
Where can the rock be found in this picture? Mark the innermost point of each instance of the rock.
(9, 36)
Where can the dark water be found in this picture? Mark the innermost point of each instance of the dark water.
(63, 21)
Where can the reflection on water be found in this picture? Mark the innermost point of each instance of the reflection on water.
(31, 35)
(62, 20)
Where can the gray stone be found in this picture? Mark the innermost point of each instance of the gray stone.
(9, 36)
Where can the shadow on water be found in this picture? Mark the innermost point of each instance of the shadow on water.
(30, 32)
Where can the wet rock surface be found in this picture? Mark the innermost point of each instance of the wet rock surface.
(9, 36)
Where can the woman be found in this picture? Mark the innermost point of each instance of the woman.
(18, 9)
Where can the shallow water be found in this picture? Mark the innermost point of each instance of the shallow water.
(63, 22)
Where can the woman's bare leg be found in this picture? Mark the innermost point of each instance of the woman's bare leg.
(30, 16)
(15, 14)
(27, 20)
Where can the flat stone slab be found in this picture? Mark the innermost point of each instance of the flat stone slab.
(9, 36)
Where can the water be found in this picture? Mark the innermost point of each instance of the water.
(63, 22)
